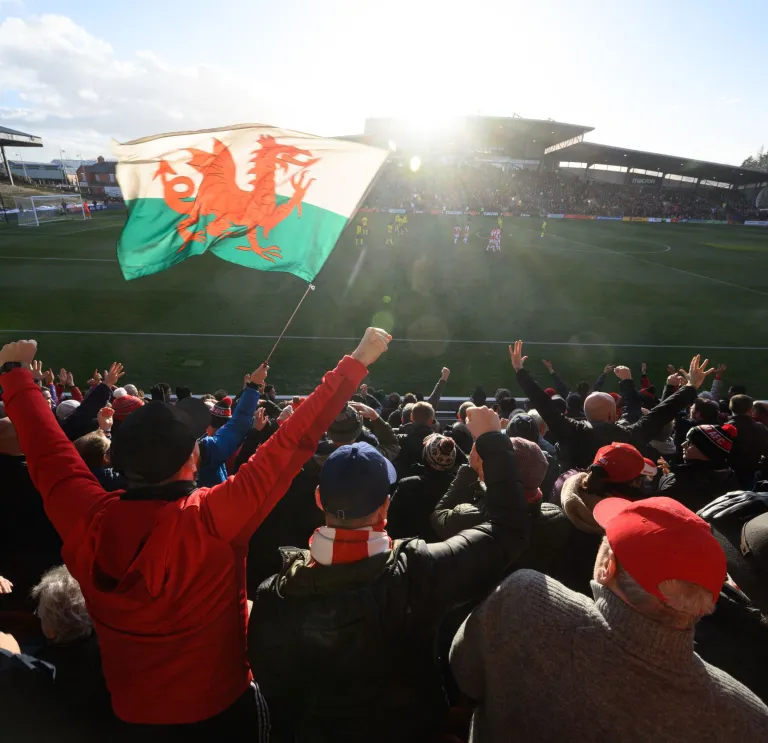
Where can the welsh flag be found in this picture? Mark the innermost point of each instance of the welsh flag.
(255, 195)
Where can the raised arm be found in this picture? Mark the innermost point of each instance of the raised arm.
(437, 393)
(557, 382)
(560, 426)
(69, 491)
(388, 444)
(651, 424)
(225, 442)
(240, 504)
(472, 562)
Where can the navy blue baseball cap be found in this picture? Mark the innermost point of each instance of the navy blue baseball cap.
(355, 481)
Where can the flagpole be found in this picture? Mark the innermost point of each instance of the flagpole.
(310, 288)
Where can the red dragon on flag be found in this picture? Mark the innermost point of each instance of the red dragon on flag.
(236, 211)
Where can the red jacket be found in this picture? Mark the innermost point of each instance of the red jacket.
(164, 581)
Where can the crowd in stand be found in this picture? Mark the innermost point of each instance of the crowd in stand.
(584, 566)
(487, 187)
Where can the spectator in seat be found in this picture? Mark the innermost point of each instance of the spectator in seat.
(704, 473)
(578, 441)
(417, 495)
(355, 617)
(751, 443)
(621, 666)
(410, 437)
(94, 450)
(760, 412)
(619, 470)
(161, 565)
(464, 506)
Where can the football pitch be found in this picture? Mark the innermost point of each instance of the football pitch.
(588, 294)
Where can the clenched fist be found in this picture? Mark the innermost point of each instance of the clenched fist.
(22, 352)
(374, 343)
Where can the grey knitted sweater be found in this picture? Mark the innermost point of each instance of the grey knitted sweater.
(548, 664)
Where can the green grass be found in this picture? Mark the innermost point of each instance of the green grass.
(617, 286)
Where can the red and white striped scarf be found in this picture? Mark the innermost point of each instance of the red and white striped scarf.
(331, 546)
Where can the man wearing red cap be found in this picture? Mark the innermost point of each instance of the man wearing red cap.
(545, 663)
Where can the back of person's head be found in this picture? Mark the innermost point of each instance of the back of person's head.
(423, 412)
(660, 558)
(523, 426)
(220, 395)
(502, 394)
(574, 405)
(582, 390)
(560, 404)
(439, 452)
(463, 410)
(478, 397)
(61, 607)
(618, 469)
(600, 407)
(531, 466)
(393, 401)
(131, 389)
(65, 408)
(407, 410)
(760, 412)
(737, 389)
(507, 406)
(354, 486)
(705, 410)
(409, 399)
(741, 404)
(158, 442)
(93, 448)
(346, 428)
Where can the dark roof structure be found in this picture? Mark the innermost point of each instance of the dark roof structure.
(12, 138)
(594, 154)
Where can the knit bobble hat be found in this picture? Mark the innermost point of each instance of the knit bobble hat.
(714, 442)
(222, 412)
(439, 452)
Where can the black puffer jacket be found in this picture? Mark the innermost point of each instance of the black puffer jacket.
(749, 446)
(697, 483)
(346, 652)
(578, 441)
(411, 437)
(414, 500)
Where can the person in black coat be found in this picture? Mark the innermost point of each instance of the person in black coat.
(578, 441)
(410, 436)
(735, 637)
(349, 626)
(750, 445)
(417, 495)
(704, 474)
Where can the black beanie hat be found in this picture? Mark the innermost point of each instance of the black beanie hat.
(346, 428)
(714, 442)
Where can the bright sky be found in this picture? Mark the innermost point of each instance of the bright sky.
(684, 78)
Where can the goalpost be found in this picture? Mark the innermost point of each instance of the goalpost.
(37, 210)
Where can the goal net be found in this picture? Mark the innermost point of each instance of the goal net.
(37, 210)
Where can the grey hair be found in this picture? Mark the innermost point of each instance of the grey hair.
(685, 603)
(539, 420)
(61, 606)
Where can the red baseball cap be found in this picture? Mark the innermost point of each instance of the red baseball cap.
(623, 463)
(658, 539)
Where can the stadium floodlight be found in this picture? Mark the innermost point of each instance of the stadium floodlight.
(37, 210)
(415, 163)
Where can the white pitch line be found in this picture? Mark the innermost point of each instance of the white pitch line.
(52, 258)
(658, 265)
(245, 336)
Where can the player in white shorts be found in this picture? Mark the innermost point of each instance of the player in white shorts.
(492, 241)
(456, 234)
(466, 234)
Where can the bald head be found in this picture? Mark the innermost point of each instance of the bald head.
(600, 407)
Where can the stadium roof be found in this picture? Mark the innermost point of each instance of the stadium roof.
(510, 133)
(12, 138)
(593, 153)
